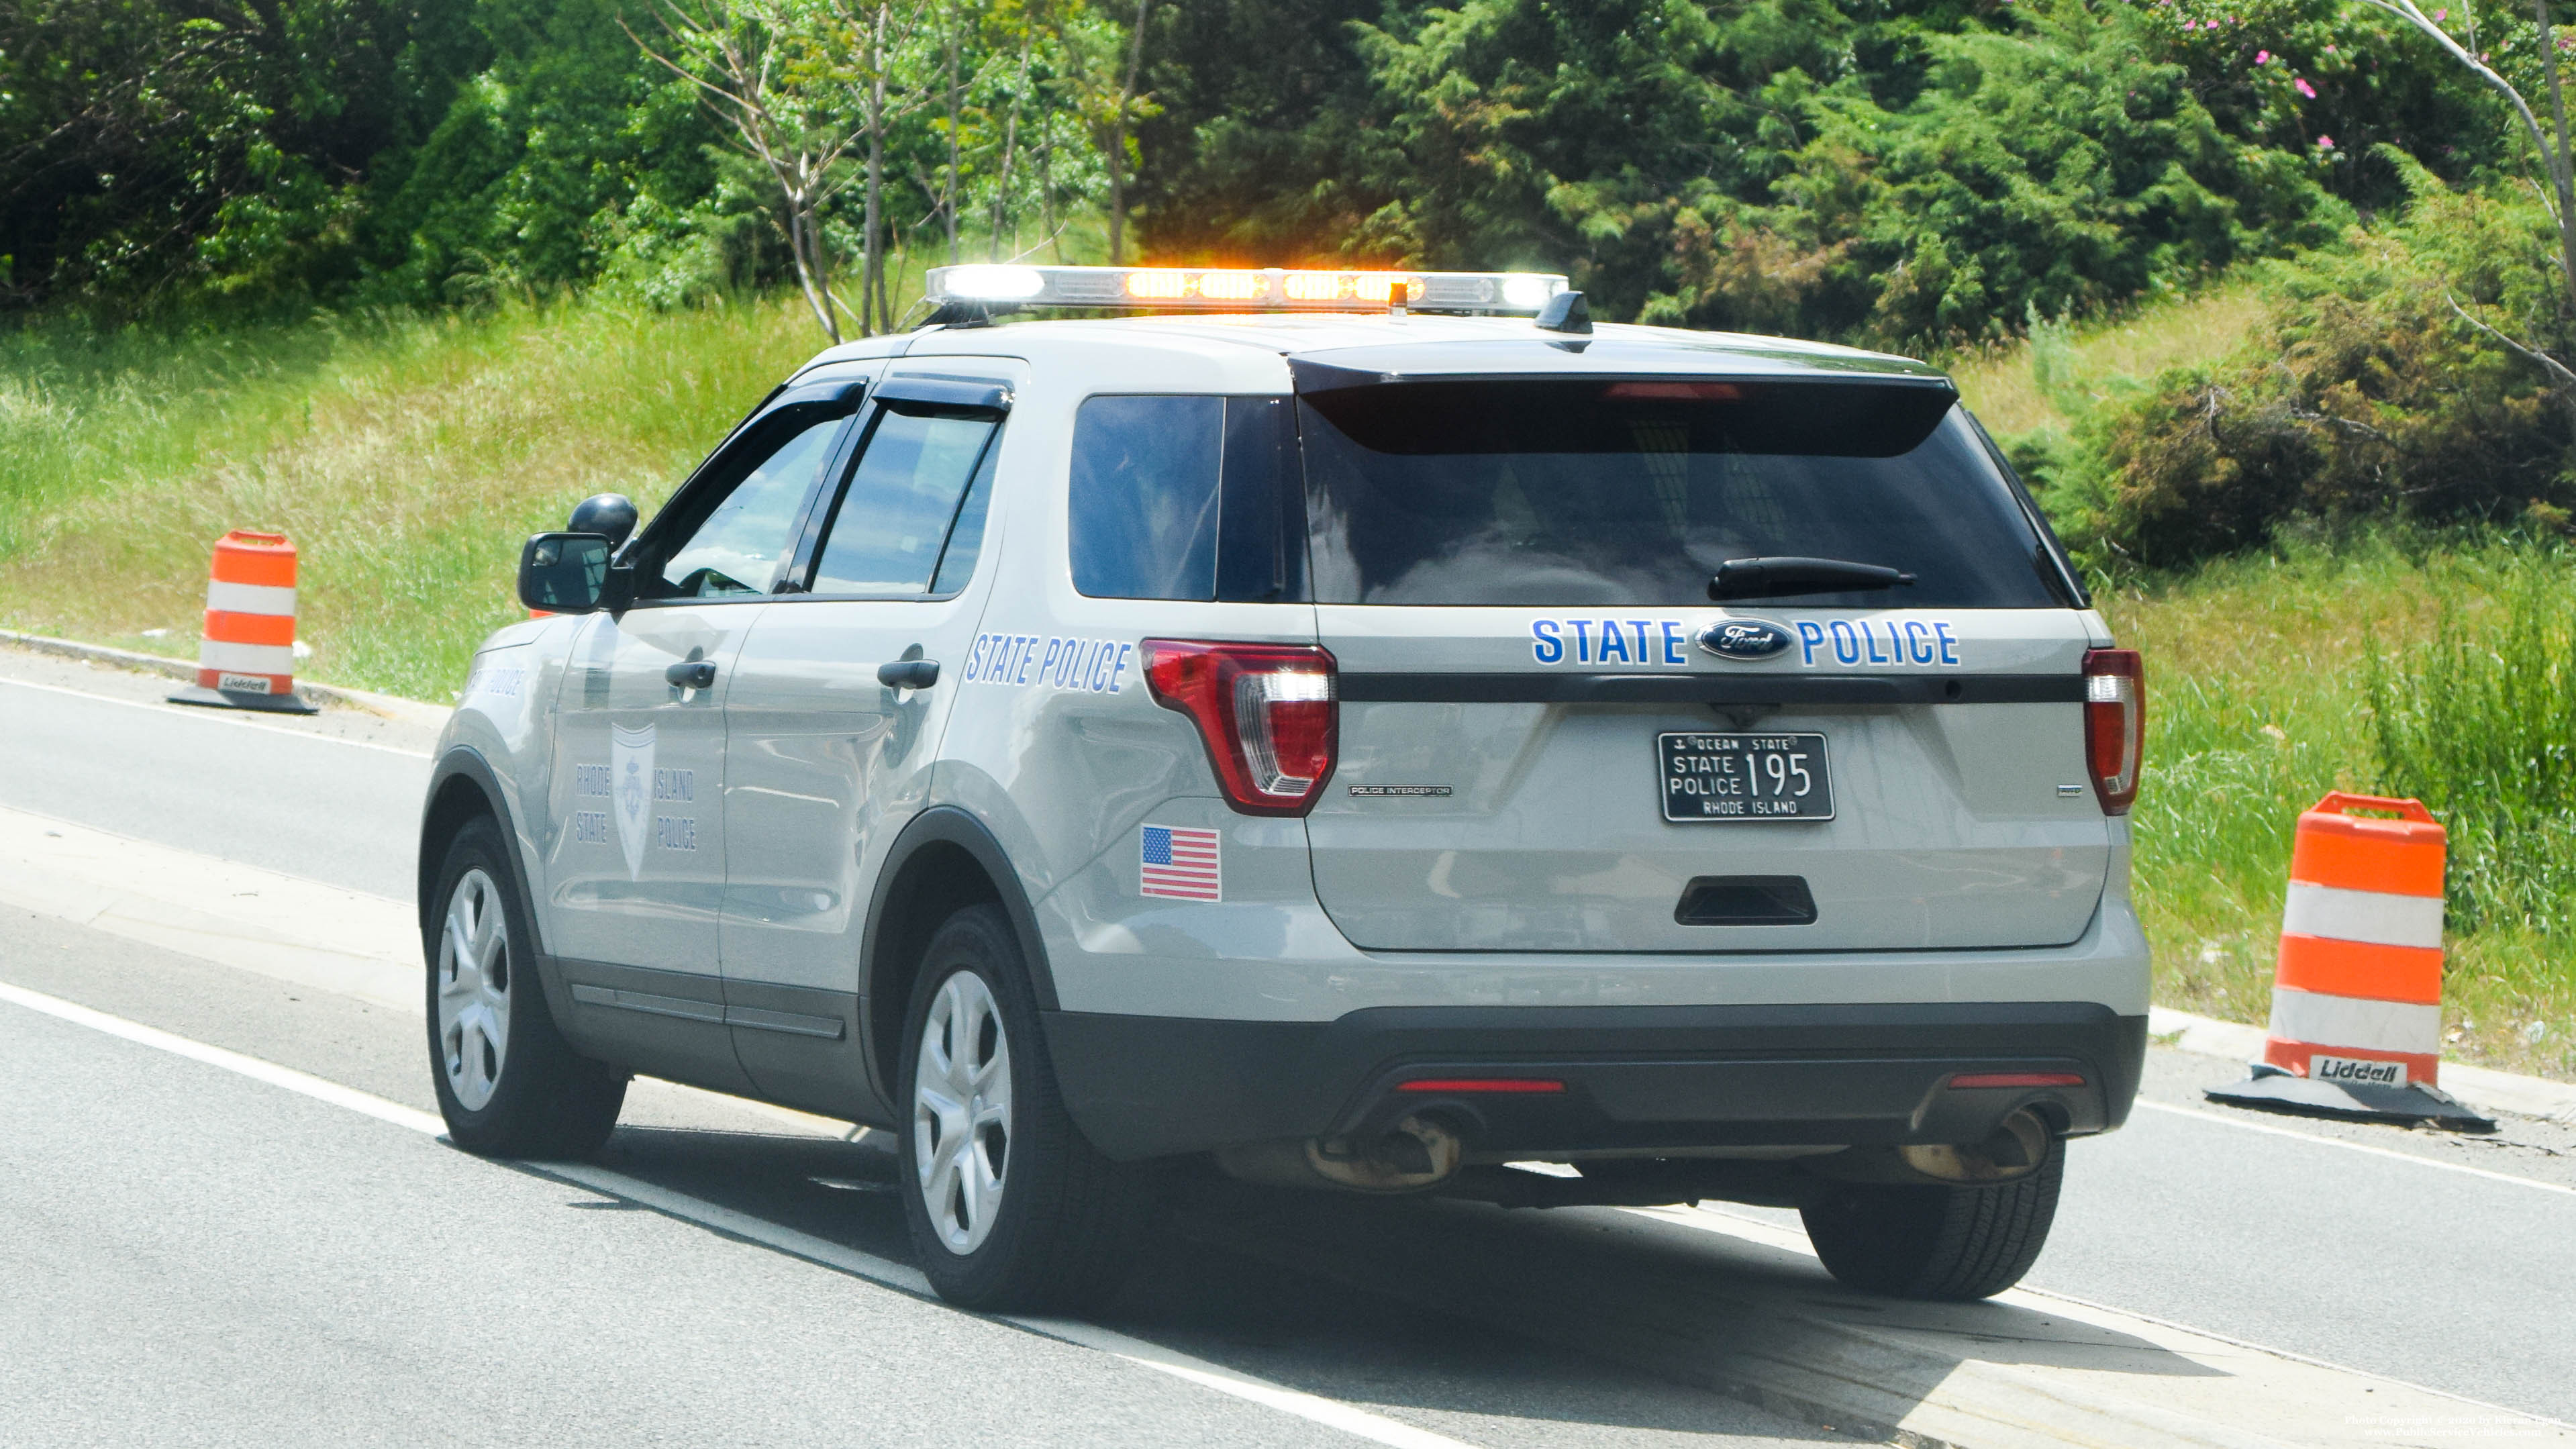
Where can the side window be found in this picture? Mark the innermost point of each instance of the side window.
(966, 540)
(741, 543)
(909, 503)
(1144, 496)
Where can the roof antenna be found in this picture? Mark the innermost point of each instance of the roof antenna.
(1566, 312)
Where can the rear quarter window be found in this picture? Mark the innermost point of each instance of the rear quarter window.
(1187, 497)
(1144, 496)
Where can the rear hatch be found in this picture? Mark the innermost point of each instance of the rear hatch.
(1553, 739)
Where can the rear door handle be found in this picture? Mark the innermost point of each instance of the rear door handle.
(692, 674)
(909, 674)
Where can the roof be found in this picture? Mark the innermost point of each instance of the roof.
(1415, 345)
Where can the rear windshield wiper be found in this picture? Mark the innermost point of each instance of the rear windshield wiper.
(1763, 578)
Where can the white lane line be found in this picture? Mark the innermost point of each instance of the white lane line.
(212, 716)
(1332, 1413)
(214, 1056)
(2362, 1147)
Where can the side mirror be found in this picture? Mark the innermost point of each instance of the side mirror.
(564, 573)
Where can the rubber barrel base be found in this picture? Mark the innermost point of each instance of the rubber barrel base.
(288, 703)
(2271, 1089)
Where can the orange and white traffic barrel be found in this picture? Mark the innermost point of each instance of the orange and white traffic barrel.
(246, 658)
(2357, 992)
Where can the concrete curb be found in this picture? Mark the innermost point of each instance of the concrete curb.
(2479, 1086)
(389, 705)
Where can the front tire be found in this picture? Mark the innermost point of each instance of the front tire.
(507, 1082)
(1010, 1206)
(1949, 1244)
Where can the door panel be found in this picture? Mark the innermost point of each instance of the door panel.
(826, 764)
(635, 875)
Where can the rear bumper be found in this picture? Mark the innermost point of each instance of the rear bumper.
(1635, 1078)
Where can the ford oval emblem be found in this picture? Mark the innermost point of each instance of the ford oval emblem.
(1744, 639)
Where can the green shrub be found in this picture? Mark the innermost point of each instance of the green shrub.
(2366, 395)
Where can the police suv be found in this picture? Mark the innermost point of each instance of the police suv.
(1361, 731)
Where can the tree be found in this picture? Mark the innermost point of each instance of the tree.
(768, 70)
(1105, 89)
(154, 152)
(2551, 144)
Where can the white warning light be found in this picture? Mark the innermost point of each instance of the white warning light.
(984, 282)
(1524, 292)
(1244, 289)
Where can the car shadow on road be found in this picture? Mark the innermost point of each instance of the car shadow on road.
(1588, 1315)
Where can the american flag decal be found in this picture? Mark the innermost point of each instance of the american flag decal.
(1182, 863)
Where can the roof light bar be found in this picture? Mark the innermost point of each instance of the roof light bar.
(1239, 289)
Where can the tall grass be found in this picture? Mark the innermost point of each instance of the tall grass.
(2479, 720)
(2272, 680)
(403, 455)
(2047, 378)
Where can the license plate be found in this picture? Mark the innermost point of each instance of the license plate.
(1744, 777)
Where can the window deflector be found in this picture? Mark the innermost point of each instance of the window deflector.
(730, 465)
(689, 505)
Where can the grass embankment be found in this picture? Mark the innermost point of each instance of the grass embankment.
(2267, 676)
(2041, 382)
(404, 456)
(408, 458)
(2260, 699)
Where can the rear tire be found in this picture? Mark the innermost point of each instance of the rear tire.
(1949, 1244)
(1010, 1207)
(507, 1082)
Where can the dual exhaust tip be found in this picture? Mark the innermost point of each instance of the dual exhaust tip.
(1420, 1152)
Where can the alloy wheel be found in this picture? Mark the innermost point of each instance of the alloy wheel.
(961, 1112)
(474, 990)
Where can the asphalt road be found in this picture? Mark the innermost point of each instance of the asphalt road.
(325, 798)
(200, 1258)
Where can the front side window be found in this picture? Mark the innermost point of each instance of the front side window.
(913, 515)
(742, 541)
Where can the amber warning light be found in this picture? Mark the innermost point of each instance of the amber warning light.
(1241, 289)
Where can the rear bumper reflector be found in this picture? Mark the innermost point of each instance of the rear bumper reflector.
(1973, 1081)
(1446, 1085)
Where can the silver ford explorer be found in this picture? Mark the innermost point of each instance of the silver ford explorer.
(1354, 731)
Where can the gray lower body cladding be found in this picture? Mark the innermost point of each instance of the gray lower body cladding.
(1635, 1078)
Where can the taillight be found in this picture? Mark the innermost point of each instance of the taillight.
(1264, 711)
(2115, 724)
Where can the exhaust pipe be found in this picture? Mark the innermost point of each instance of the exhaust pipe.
(2016, 1148)
(1416, 1154)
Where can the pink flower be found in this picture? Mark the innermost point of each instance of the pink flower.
(2262, 57)
(2441, 15)
(2329, 50)
(2325, 143)
(2305, 89)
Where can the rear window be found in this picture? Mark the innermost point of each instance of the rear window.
(1556, 493)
